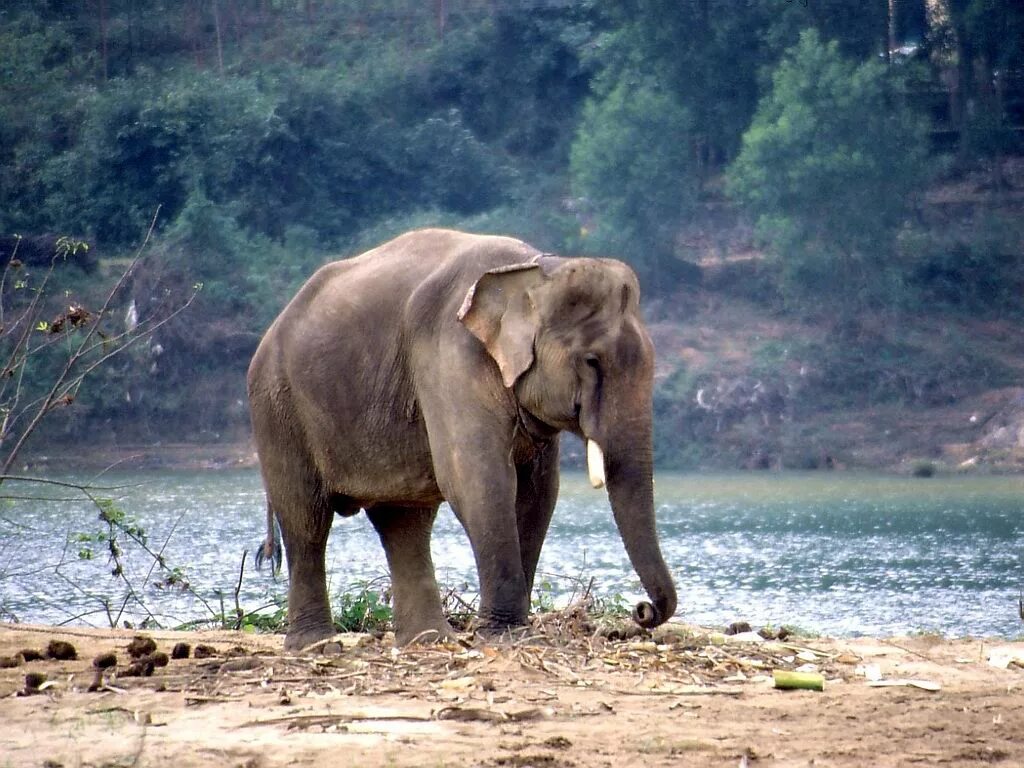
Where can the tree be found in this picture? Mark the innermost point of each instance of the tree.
(518, 78)
(829, 168)
(632, 170)
(711, 54)
(148, 141)
(979, 46)
(37, 62)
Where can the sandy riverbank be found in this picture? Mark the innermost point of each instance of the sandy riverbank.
(565, 698)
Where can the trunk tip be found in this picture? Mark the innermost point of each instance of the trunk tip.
(646, 615)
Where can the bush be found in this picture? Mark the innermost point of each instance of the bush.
(923, 469)
(978, 269)
(364, 610)
(453, 169)
(148, 142)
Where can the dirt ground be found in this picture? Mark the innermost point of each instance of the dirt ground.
(564, 696)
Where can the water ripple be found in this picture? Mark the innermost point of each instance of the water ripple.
(841, 554)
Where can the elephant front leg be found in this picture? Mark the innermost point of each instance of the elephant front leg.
(488, 514)
(471, 451)
(536, 493)
(405, 535)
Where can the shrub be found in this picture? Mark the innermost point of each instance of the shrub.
(365, 609)
(923, 469)
(977, 269)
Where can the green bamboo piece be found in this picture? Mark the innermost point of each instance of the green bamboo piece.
(799, 681)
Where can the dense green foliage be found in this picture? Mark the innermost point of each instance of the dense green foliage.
(327, 137)
(632, 172)
(830, 166)
(272, 135)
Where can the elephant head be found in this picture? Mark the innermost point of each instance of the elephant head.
(568, 340)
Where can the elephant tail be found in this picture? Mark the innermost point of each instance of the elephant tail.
(270, 548)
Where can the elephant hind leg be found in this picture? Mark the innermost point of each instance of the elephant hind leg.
(305, 532)
(405, 535)
(295, 494)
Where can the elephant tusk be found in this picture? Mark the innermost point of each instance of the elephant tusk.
(595, 464)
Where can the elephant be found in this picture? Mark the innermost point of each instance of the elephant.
(443, 366)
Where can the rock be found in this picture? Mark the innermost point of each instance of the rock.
(33, 681)
(738, 628)
(204, 652)
(1005, 429)
(105, 661)
(159, 659)
(140, 668)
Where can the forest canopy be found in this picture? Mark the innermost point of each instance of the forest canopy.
(274, 134)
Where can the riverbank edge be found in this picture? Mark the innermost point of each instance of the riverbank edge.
(241, 454)
(160, 456)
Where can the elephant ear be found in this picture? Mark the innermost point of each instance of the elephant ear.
(498, 310)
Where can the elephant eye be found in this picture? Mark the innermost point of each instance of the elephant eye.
(592, 361)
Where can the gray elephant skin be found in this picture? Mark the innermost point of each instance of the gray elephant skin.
(442, 366)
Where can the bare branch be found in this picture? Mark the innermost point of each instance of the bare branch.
(83, 487)
(78, 343)
(64, 382)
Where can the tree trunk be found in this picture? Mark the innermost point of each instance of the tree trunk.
(104, 53)
(220, 45)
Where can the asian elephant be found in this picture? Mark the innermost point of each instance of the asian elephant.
(442, 366)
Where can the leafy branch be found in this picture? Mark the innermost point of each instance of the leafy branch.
(119, 530)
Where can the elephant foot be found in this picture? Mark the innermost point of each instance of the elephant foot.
(490, 632)
(438, 634)
(298, 639)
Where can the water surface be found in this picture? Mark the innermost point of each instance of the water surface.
(837, 553)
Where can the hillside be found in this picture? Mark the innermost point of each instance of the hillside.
(822, 201)
(934, 384)
(753, 391)
(742, 381)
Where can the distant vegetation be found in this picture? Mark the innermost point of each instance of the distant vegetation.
(275, 134)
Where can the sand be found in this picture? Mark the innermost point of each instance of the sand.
(566, 696)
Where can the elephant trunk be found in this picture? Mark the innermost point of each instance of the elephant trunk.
(631, 492)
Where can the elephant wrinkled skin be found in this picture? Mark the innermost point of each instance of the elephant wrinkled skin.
(443, 366)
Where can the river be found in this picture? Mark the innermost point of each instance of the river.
(842, 554)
